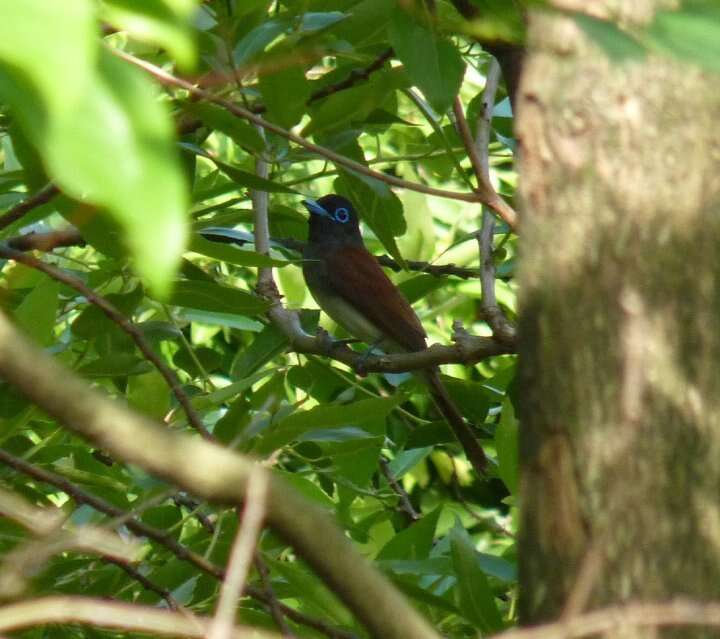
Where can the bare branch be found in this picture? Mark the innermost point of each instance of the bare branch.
(241, 556)
(399, 490)
(274, 604)
(111, 614)
(354, 77)
(501, 327)
(43, 196)
(46, 242)
(680, 612)
(146, 583)
(485, 188)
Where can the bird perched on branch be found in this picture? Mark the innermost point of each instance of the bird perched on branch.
(349, 285)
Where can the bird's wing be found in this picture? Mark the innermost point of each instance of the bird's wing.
(357, 277)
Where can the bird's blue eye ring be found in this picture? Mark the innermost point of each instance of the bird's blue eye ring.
(342, 215)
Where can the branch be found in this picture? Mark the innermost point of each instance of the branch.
(216, 474)
(274, 604)
(110, 614)
(468, 349)
(680, 612)
(46, 242)
(501, 327)
(146, 583)
(241, 555)
(486, 190)
(160, 536)
(355, 76)
(407, 506)
(43, 196)
(169, 79)
(123, 323)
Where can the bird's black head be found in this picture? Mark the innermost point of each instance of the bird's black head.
(333, 219)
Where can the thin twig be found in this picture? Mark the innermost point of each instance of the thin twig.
(181, 500)
(501, 327)
(489, 195)
(144, 581)
(275, 607)
(483, 127)
(43, 196)
(399, 490)
(355, 76)
(241, 555)
(122, 322)
(163, 76)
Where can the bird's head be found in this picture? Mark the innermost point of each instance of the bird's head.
(333, 218)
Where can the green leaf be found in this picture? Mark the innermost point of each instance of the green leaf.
(60, 62)
(327, 416)
(208, 296)
(407, 460)
(415, 542)
(315, 21)
(229, 320)
(163, 22)
(218, 118)
(150, 394)
(36, 313)
(419, 286)
(470, 397)
(104, 136)
(232, 254)
(244, 178)
(354, 104)
(433, 64)
(506, 445)
(691, 34)
(115, 365)
(166, 518)
(268, 344)
(259, 38)
(285, 94)
(617, 44)
(379, 208)
(308, 489)
(209, 359)
(475, 597)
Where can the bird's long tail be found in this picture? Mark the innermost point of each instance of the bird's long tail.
(455, 420)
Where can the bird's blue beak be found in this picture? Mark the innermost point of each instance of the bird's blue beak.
(315, 208)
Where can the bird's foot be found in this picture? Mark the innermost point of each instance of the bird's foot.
(362, 362)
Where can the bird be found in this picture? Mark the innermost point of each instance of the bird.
(349, 285)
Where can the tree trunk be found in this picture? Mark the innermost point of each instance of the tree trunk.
(620, 339)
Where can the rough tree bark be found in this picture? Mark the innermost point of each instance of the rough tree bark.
(620, 346)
